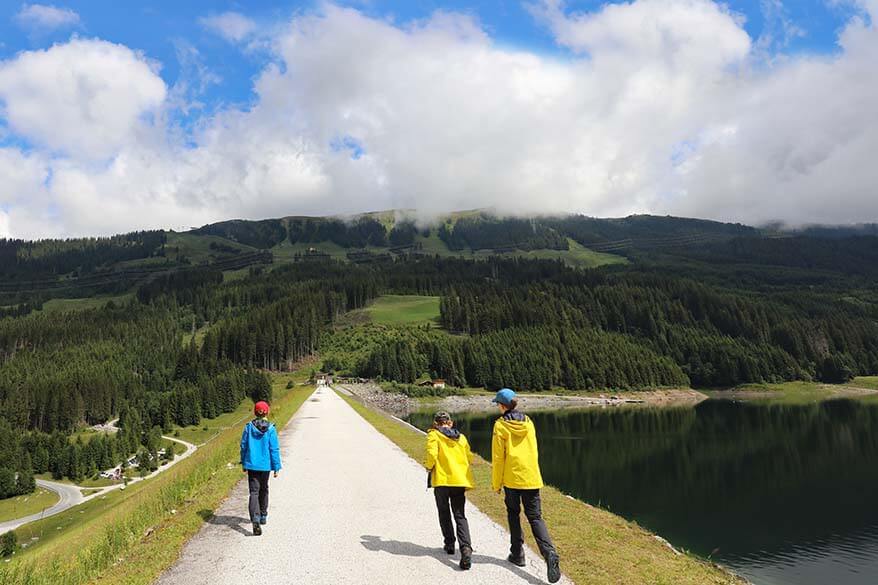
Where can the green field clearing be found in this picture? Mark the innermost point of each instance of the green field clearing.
(65, 305)
(150, 262)
(286, 252)
(197, 248)
(199, 336)
(12, 508)
(233, 275)
(433, 245)
(398, 309)
(577, 256)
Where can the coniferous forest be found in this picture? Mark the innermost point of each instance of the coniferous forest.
(727, 311)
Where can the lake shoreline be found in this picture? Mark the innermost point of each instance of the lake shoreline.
(400, 405)
(817, 392)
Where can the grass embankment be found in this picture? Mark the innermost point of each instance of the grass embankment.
(12, 508)
(208, 429)
(129, 537)
(596, 547)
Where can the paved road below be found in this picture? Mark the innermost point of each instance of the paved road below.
(349, 507)
(71, 495)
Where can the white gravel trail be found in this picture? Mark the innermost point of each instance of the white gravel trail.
(348, 507)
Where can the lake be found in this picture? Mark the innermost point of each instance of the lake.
(783, 494)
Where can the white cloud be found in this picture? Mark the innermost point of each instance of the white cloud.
(660, 106)
(232, 26)
(803, 146)
(84, 98)
(44, 18)
(24, 199)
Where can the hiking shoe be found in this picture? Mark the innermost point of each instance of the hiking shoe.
(519, 561)
(257, 529)
(553, 568)
(263, 519)
(466, 558)
(449, 548)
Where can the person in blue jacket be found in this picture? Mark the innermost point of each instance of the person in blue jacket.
(260, 455)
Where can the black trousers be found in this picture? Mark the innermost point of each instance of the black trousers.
(452, 501)
(530, 499)
(258, 483)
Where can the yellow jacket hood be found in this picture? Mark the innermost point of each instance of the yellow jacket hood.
(448, 460)
(514, 453)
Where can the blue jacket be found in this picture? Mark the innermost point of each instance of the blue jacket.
(259, 446)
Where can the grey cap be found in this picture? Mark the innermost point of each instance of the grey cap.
(441, 417)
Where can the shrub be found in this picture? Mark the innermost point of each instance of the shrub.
(8, 543)
(414, 391)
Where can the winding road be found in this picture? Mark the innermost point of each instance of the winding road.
(71, 495)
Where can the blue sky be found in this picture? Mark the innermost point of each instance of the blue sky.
(168, 114)
(160, 28)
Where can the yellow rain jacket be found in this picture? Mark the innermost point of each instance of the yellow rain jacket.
(448, 460)
(514, 456)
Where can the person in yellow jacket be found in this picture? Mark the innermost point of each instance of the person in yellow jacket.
(448, 461)
(516, 470)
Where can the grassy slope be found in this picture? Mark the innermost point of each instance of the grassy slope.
(596, 547)
(577, 256)
(64, 305)
(197, 247)
(88, 482)
(870, 382)
(208, 429)
(12, 508)
(199, 337)
(285, 251)
(398, 309)
(146, 525)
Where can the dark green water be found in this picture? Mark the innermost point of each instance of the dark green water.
(783, 494)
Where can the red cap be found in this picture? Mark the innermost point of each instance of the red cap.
(261, 408)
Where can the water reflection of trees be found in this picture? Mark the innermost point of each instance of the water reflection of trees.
(723, 474)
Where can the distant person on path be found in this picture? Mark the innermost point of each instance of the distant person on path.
(516, 469)
(260, 455)
(448, 461)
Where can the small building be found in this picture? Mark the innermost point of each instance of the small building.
(437, 383)
(323, 379)
(114, 474)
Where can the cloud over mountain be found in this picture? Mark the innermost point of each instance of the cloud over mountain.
(656, 106)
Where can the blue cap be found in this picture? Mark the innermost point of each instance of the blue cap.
(504, 397)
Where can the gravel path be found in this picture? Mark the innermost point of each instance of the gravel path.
(348, 507)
